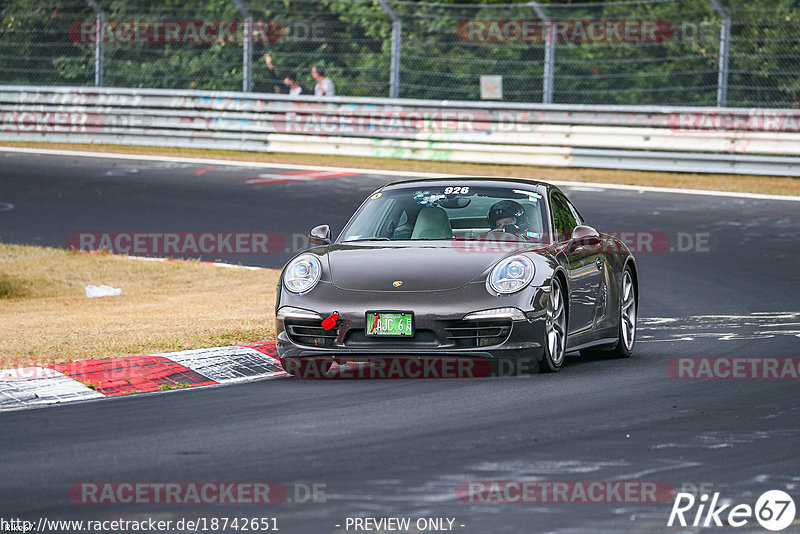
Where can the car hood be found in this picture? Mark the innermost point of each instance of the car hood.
(377, 266)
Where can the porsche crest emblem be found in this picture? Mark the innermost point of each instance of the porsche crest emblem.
(397, 283)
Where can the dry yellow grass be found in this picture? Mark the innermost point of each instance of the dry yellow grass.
(45, 316)
(773, 185)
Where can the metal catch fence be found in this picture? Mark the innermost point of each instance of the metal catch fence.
(628, 52)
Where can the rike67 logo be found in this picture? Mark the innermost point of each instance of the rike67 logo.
(774, 510)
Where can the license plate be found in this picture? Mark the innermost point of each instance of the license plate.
(395, 324)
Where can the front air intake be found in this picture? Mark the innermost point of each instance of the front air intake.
(311, 333)
(469, 334)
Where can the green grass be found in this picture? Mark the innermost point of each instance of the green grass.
(177, 385)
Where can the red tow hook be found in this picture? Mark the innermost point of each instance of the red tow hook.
(330, 321)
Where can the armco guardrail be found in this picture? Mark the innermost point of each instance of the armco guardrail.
(719, 140)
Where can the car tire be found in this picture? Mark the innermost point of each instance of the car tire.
(626, 330)
(555, 336)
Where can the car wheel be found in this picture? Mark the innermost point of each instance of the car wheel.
(626, 331)
(555, 339)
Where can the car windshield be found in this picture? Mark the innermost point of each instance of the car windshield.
(452, 211)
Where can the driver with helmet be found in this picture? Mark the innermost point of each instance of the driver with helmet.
(508, 216)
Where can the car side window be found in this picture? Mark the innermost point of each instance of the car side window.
(564, 220)
(578, 219)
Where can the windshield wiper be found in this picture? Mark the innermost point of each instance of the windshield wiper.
(367, 239)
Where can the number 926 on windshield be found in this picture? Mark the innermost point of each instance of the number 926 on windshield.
(456, 190)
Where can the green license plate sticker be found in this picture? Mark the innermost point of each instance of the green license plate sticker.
(395, 324)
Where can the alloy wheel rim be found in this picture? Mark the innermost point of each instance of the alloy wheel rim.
(555, 324)
(628, 311)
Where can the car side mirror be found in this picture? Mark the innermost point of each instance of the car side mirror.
(584, 235)
(320, 235)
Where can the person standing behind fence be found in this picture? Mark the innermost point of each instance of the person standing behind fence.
(324, 85)
(290, 80)
(273, 82)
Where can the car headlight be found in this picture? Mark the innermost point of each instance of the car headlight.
(511, 275)
(302, 273)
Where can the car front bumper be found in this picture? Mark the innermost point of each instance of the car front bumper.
(440, 330)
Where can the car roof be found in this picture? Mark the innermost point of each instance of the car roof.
(487, 181)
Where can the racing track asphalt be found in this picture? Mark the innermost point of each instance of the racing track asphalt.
(401, 447)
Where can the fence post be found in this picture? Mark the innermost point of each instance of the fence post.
(549, 53)
(247, 47)
(397, 31)
(99, 34)
(724, 52)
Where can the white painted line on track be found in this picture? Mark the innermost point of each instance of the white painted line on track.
(648, 189)
(409, 174)
(208, 161)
